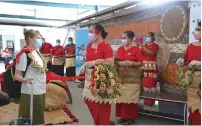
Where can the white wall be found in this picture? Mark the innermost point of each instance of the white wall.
(8, 31)
(195, 14)
(51, 34)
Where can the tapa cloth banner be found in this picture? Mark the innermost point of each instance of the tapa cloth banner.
(195, 17)
(82, 41)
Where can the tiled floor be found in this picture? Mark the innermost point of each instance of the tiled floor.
(80, 110)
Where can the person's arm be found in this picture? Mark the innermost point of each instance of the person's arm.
(138, 63)
(185, 56)
(3, 94)
(150, 52)
(108, 58)
(139, 58)
(180, 62)
(20, 68)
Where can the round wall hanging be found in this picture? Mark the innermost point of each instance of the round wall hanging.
(173, 23)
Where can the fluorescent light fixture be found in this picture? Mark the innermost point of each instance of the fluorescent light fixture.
(155, 2)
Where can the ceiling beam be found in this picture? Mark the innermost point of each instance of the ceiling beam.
(51, 4)
(106, 11)
(123, 12)
(30, 17)
(27, 24)
(84, 12)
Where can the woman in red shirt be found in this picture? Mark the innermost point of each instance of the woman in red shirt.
(193, 57)
(58, 59)
(46, 50)
(149, 51)
(2, 76)
(98, 50)
(70, 58)
(130, 59)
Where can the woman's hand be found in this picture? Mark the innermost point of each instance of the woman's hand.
(129, 63)
(18, 76)
(27, 81)
(140, 44)
(82, 70)
(194, 62)
(180, 62)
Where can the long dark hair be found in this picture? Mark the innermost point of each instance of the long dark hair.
(100, 29)
(199, 23)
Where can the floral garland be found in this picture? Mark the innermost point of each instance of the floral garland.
(35, 62)
(184, 78)
(105, 82)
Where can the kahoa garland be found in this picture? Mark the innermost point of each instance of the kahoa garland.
(105, 82)
(184, 78)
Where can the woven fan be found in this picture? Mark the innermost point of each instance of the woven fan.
(163, 54)
(173, 23)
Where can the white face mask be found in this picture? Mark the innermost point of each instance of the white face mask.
(124, 42)
(148, 39)
(91, 37)
(70, 42)
(58, 44)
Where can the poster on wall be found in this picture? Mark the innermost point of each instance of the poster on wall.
(195, 17)
(9, 44)
(82, 41)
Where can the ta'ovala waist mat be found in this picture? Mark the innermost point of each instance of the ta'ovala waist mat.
(47, 57)
(70, 61)
(58, 60)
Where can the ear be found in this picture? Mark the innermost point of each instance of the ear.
(97, 31)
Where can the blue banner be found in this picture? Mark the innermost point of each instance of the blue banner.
(82, 41)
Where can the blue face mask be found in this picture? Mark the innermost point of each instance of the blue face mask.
(38, 43)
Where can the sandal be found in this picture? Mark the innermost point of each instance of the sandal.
(120, 121)
(129, 122)
(112, 123)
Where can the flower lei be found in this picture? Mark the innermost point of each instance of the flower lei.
(105, 82)
(36, 64)
(184, 78)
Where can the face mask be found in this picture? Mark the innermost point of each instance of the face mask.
(124, 42)
(197, 35)
(148, 39)
(58, 44)
(70, 42)
(38, 43)
(91, 37)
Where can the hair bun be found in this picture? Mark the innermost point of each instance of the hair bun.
(106, 33)
(24, 31)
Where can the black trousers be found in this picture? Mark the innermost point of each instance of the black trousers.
(58, 69)
(49, 66)
(71, 71)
